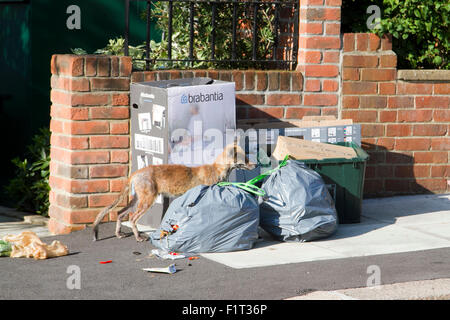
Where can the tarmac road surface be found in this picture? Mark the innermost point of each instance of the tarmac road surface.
(203, 279)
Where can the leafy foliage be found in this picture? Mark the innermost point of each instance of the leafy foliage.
(78, 51)
(29, 189)
(420, 29)
(203, 30)
(115, 47)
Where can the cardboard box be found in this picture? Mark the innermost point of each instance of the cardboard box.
(304, 150)
(182, 121)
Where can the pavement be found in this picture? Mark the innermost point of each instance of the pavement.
(388, 225)
(437, 289)
(400, 250)
(14, 222)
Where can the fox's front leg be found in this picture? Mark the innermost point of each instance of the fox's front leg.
(120, 234)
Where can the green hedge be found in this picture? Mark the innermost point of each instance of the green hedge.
(420, 29)
(29, 189)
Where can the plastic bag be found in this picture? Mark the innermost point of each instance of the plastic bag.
(168, 255)
(298, 206)
(5, 248)
(217, 218)
(28, 245)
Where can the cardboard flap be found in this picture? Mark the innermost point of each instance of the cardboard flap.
(303, 150)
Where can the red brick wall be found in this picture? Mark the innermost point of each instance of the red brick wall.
(405, 124)
(90, 137)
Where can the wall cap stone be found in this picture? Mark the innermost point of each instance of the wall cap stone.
(423, 75)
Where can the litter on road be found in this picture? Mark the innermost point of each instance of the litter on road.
(5, 248)
(170, 269)
(28, 245)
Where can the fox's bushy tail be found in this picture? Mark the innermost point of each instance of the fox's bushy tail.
(103, 213)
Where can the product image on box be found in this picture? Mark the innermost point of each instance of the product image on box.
(181, 121)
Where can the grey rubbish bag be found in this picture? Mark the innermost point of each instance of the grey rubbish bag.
(217, 218)
(298, 206)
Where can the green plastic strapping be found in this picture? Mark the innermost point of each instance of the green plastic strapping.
(250, 185)
(244, 186)
(269, 172)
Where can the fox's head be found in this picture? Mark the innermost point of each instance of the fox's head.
(234, 157)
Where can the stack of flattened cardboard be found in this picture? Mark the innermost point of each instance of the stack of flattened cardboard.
(314, 128)
(305, 122)
(294, 135)
(304, 150)
(264, 134)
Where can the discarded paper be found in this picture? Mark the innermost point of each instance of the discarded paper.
(170, 269)
(167, 255)
(304, 149)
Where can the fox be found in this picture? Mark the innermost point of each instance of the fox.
(171, 180)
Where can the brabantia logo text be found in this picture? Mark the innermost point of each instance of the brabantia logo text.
(207, 97)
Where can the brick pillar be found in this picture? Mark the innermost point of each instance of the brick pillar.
(90, 137)
(404, 118)
(368, 82)
(369, 77)
(319, 53)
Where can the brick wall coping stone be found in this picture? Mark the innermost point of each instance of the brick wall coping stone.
(423, 75)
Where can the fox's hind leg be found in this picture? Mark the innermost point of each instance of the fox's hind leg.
(122, 214)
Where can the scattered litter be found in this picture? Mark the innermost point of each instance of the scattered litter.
(136, 253)
(167, 255)
(170, 269)
(5, 248)
(27, 244)
(105, 262)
